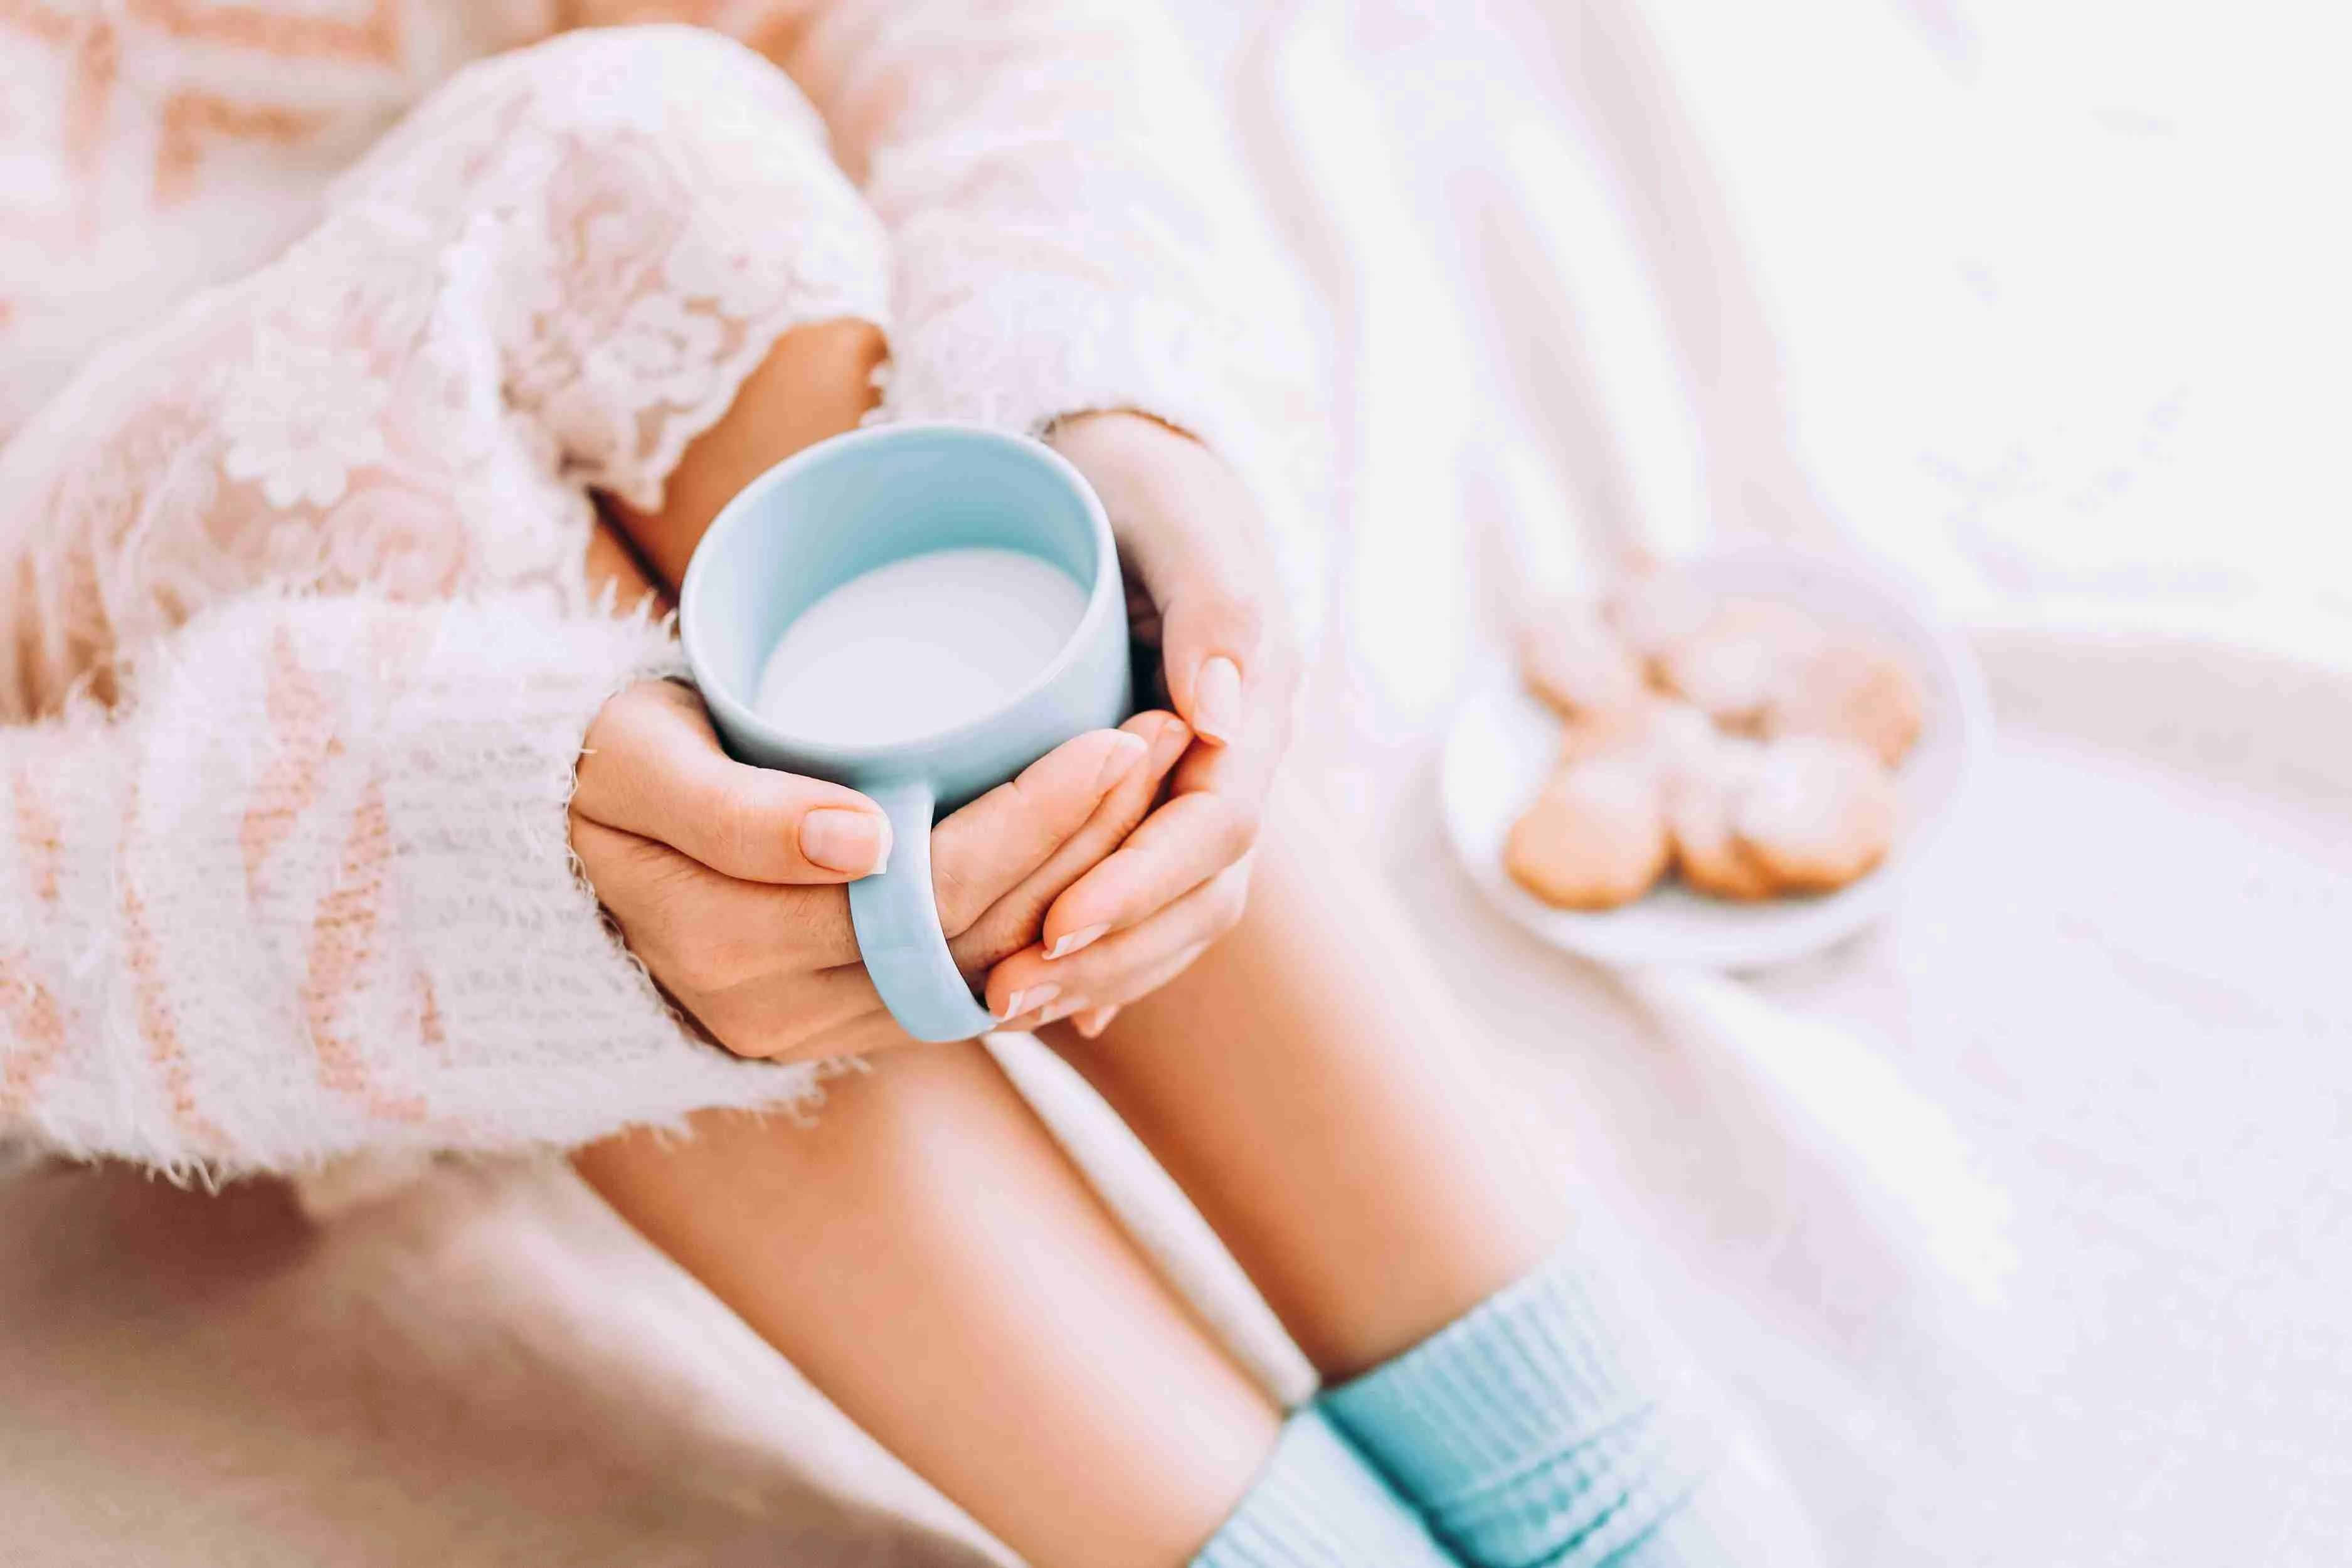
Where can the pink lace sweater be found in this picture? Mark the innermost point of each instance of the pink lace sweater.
(302, 411)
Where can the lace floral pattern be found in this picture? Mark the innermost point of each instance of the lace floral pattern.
(550, 278)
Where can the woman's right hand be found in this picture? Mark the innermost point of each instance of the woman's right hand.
(728, 880)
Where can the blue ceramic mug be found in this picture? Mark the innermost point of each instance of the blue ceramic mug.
(835, 511)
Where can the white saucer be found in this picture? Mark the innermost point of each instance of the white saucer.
(1503, 744)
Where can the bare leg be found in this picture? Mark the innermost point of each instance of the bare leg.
(1303, 1083)
(926, 1256)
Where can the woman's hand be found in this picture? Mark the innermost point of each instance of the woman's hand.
(1201, 585)
(728, 880)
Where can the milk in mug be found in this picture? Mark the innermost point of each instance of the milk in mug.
(918, 645)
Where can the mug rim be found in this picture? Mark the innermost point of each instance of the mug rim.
(736, 515)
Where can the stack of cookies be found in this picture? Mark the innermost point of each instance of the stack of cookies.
(1738, 743)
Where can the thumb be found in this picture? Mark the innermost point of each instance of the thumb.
(1212, 642)
(652, 765)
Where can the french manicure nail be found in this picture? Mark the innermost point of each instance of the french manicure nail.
(1125, 753)
(1217, 701)
(1061, 1010)
(1085, 936)
(1091, 1024)
(1027, 1000)
(857, 842)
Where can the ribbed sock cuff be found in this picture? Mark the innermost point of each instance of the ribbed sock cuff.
(1539, 1428)
(1318, 1504)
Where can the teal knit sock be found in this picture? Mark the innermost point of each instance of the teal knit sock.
(1318, 1505)
(1533, 1433)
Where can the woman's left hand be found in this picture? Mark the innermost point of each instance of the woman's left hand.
(1202, 586)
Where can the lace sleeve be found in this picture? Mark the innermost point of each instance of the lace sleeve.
(644, 210)
(550, 277)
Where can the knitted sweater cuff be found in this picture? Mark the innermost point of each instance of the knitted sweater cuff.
(311, 893)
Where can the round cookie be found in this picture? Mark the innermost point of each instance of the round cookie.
(1732, 668)
(1816, 814)
(1850, 689)
(1572, 662)
(1701, 800)
(1594, 838)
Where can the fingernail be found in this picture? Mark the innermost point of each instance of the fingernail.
(1173, 737)
(1083, 937)
(858, 842)
(1061, 1010)
(1217, 701)
(1125, 753)
(1092, 1025)
(1022, 1002)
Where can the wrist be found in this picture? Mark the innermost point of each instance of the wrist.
(1169, 496)
(1115, 429)
(1126, 455)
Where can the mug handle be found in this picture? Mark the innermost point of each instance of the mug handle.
(898, 930)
